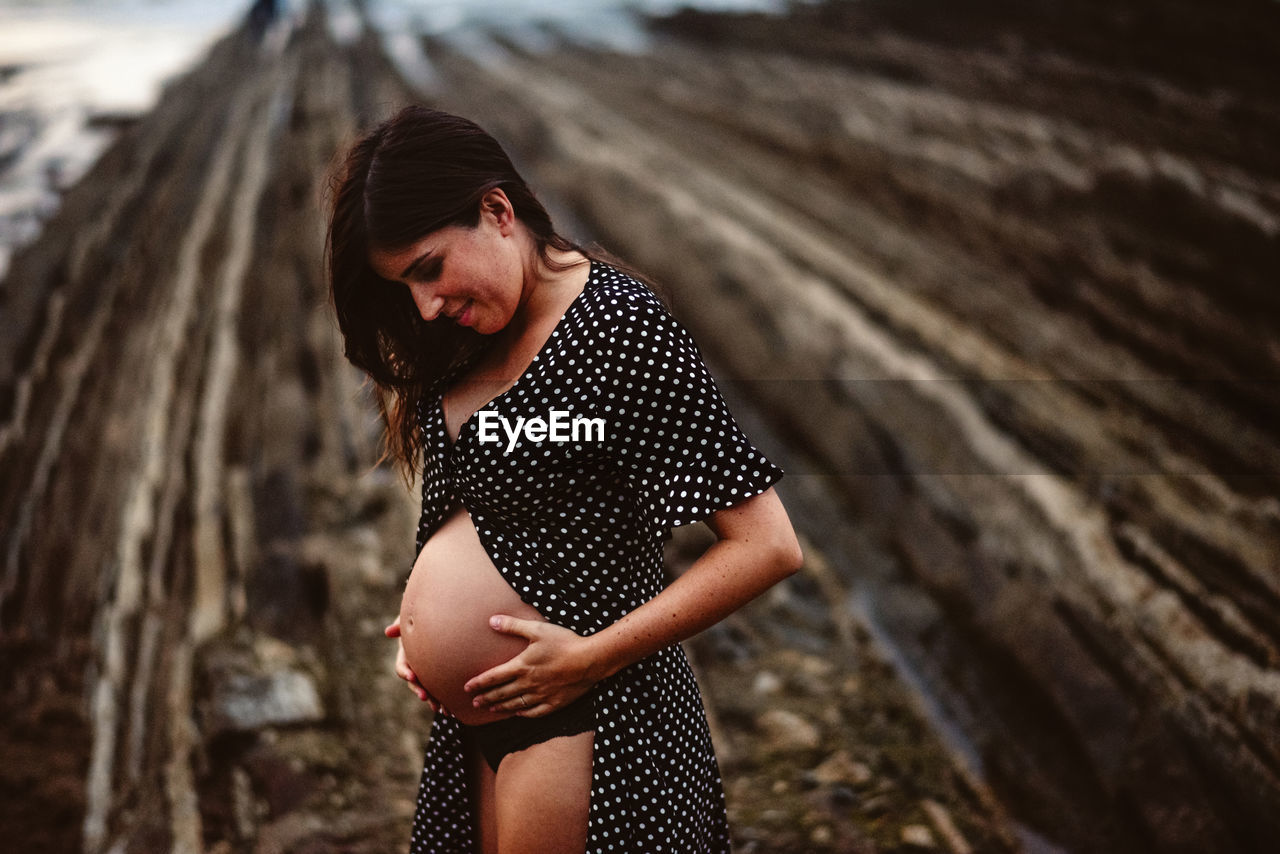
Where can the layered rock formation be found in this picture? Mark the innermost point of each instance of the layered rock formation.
(181, 446)
(1007, 298)
(1001, 309)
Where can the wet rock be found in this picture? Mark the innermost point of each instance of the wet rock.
(766, 684)
(876, 806)
(810, 675)
(840, 767)
(918, 836)
(257, 684)
(774, 818)
(248, 702)
(786, 731)
(821, 835)
(832, 716)
(940, 816)
(243, 805)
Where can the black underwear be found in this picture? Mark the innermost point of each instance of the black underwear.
(508, 735)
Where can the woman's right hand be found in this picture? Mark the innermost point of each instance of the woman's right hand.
(406, 673)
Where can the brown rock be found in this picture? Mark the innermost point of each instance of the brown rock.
(840, 767)
(786, 731)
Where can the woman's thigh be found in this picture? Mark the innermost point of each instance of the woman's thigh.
(543, 794)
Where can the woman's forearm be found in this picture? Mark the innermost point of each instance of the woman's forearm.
(729, 574)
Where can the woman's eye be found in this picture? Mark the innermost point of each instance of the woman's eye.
(429, 271)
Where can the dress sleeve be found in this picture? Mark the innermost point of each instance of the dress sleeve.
(666, 424)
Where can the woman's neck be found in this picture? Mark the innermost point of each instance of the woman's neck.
(549, 287)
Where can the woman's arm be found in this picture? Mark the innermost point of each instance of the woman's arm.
(756, 548)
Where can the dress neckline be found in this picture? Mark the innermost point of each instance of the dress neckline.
(450, 444)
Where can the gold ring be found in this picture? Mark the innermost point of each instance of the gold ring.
(523, 702)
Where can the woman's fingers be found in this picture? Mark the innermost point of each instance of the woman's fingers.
(521, 705)
(527, 629)
(405, 672)
(495, 676)
(425, 696)
(553, 668)
(430, 701)
(529, 702)
(536, 711)
(416, 686)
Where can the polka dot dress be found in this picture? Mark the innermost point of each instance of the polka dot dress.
(576, 527)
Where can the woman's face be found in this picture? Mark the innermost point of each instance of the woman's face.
(475, 276)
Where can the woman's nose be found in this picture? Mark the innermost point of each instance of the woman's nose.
(429, 304)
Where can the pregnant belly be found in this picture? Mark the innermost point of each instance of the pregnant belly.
(444, 616)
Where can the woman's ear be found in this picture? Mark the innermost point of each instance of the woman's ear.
(496, 205)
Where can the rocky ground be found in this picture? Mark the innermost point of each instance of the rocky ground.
(821, 745)
(992, 291)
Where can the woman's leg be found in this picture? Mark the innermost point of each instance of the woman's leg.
(484, 801)
(543, 793)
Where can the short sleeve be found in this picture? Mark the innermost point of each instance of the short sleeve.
(666, 424)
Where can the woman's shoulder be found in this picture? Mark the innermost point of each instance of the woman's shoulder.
(619, 299)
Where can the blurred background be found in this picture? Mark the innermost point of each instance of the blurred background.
(995, 282)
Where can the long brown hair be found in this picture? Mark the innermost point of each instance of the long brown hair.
(418, 171)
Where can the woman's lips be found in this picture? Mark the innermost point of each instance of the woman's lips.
(465, 316)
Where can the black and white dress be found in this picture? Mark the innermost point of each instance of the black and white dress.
(577, 528)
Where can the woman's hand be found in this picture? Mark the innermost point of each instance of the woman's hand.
(406, 673)
(553, 670)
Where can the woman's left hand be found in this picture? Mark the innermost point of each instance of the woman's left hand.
(553, 670)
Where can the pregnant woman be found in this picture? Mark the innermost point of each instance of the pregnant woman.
(564, 422)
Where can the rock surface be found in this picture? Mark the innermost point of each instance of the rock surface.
(1002, 291)
(179, 432)
(995, 297)
(253, 689)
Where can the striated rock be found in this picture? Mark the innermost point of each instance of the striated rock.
(243, 702)
(1004, 292)
(176, 304)
(942, 822)
(1006, 308)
